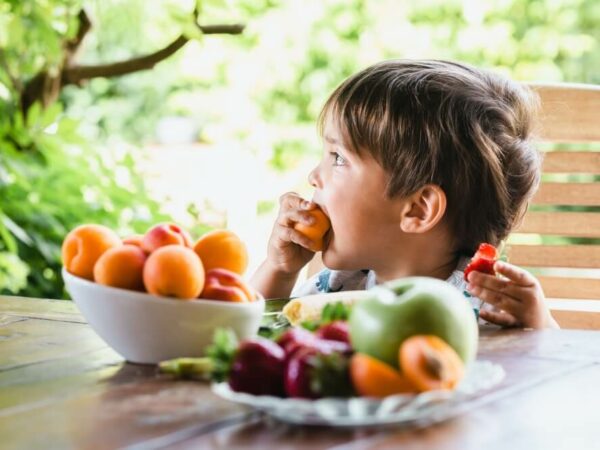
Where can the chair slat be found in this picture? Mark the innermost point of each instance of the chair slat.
(574, 256)
(570, 287)
(571, 224)
(584, 194)
(569, 112)
(571, 162)
(578, 320)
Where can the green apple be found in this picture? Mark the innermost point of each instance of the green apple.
(408, 306)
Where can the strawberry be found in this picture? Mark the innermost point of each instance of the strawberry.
(483, 260)
(313, 374)
(258, 368)
(335, 331)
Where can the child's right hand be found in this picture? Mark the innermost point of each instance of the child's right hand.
(288, 249)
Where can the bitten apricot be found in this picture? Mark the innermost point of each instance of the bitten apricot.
(373, 378)
(121, 267)
(430, 363)
(174, 271)
(222, 249)
(84, 245)
(165, 234)
(316, 231)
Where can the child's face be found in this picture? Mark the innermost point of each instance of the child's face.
(352, 192)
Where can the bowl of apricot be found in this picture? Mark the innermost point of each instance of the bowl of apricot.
(152, 297)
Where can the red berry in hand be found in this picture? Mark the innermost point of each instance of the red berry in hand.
(483, 260)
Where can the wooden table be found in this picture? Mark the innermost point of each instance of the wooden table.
(62, 387)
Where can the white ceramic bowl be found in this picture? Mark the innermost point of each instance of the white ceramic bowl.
(146, 329)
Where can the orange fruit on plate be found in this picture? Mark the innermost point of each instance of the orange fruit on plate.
(430, 363)
(374, 378)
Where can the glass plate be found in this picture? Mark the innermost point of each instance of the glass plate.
(427, 407)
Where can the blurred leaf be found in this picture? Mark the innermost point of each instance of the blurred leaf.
(13, 273)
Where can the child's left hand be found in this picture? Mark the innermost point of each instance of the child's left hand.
(517, 295)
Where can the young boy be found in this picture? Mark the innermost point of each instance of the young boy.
(423, 161)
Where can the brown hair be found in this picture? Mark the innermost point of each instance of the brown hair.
(463, 129)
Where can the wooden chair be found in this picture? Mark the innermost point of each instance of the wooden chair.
(559, 239)
(565, 209)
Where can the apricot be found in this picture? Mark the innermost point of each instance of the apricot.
(223, 284)
(134, 239)
(222, 249)
(121, 267)
(430, 363)
(84, 245)
(373, 378)
(174, 271)
(316, 231)
(165, 234)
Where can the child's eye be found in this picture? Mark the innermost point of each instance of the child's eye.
(338, 160)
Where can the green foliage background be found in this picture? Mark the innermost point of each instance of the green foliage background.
(75, 162)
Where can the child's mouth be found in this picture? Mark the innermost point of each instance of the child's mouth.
(326, 239)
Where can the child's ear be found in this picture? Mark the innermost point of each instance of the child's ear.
(423, 210)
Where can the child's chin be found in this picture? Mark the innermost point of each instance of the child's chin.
(333, 261)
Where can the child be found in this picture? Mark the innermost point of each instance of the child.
(423, 161)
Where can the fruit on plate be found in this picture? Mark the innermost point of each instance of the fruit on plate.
(174, 271)
(374, 378)
(483, 260)
(315, 231)
(222, 249)
(121, 267)
(84, 245)
(165, 234)
(258, 368)
(429, 363)
(295, 337)
(223, 284)
(408, 306)
(310, 307)
(313, 374)
(336, 331)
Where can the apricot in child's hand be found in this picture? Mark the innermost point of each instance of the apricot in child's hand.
(316, 231)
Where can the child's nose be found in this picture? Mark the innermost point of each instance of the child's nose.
(313, 178)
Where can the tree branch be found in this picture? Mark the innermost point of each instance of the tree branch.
(72, 45)
(84, 26)
(76, 74)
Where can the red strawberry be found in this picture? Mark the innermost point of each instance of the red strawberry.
(312, 374)
(483, 260)
(334, 331)
(258, 368)
(294, 336)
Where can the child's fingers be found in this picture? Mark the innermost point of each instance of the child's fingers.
(501, 318)
(500, 300)
(291, 200)
(287, 234)
(494, 283)
(515, 274)
(293, 216)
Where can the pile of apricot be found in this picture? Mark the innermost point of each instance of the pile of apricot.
(164, 261)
